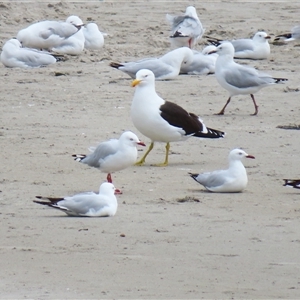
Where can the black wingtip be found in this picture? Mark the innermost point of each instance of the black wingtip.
(193, 175)
(295, 183)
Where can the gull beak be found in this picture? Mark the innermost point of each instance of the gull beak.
(141, 143)
(211, 52)
(135, 82)
(250, 156)
(267, 37)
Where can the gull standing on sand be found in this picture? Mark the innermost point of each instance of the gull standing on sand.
(203, 62)
(238, 79)
(256, 48)
(163, 121)
(14, 56)
(112, 155)
(88, 204)
(47, 34)
(232, 180)
(94, 38)
(74, 44)
(165, 67)
(288, 37)
(186, 29)
(295, 183)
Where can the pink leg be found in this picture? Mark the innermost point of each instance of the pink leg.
(108, 178)
(255, 105)
(223, 109)
(190, 43)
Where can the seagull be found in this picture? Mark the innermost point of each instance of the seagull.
(203, 62)
(47, 34)
(88, 204)
(186, 29)
(14, 56)
(74, 44)
(295, 183)
(165, 67)
(232, 180)
(94, 39)
(239, 79)
(163, 121)
(288, 37)
(256, 48)
(112, 155)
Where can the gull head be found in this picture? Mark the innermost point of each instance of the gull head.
(143, 76)
(261, 37)
(76, 21)
(128, 138)
(238, 154)
(107, 188)
(225, 48)
(15, 43)
(191, 12)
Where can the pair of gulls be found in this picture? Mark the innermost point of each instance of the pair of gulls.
(161, 121)
(53, 37)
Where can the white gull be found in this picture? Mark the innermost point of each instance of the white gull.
(47, 34)
(88, 204)
(163, 121)
(94, 38)
(112, 155)
(232, 180)
(165, 67)
(14, 56)
(239, 79)
(256, 48)
(186, 29)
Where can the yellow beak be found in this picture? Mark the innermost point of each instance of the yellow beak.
(135, 82)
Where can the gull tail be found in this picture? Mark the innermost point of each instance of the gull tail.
(116, 65)
(279, 80)
(295, 183)
(194, 176)
(284, 36)
(178, 34)
(79, 157)
(51, 202)
(210, 134)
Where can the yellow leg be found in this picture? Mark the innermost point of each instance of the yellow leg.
(143, 159)
(165, 163)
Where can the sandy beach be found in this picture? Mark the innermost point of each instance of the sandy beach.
(170, 238)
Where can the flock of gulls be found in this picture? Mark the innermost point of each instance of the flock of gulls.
(42, 43)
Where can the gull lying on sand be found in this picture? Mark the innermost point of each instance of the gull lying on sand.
(232, 180)
(88, 204)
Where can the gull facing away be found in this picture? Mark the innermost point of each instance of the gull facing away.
(74, 44)
(295, 183)
(256, 48)
(165, 67)
(88, 204)
(238, 79)
(163, 121)
(14, 56)
(203, 62)
(47, 34)
(232, 180)
(186, 29)
(112, 155)
(94, 38)
(288, 37)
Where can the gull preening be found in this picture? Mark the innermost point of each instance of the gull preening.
(239, 79)
(232, 180)
(186, 29)
(112, 155)
(295, 183)
(47, 34)
(256, 48)
(163, 121)
(74, 44)
(291, 36)
(94, 38)
(165, 67)
(88, 204)
(203, 63)
(14, 56)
